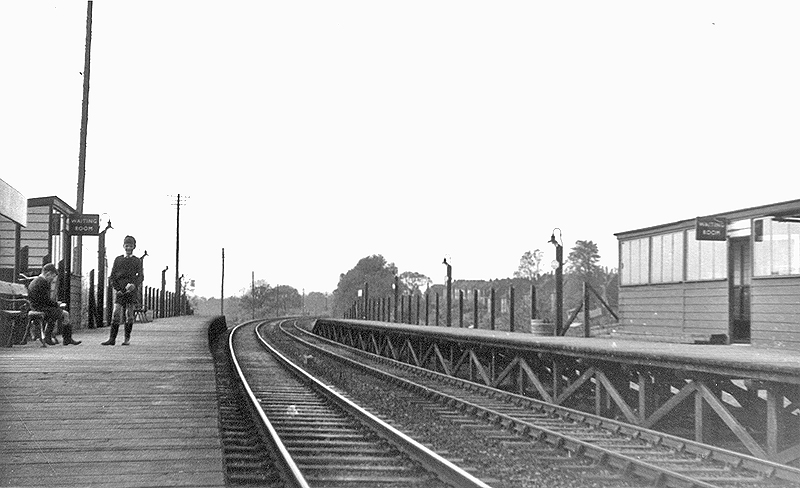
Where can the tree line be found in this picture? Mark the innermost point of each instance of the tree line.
(265, 300)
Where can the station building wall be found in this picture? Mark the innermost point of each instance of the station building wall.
(775, 310)
(672, 283)
(678, 308)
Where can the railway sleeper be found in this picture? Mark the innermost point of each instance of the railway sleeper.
(371, 482)
(373, 460)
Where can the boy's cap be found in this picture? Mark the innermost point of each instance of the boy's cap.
(129, 240)
(49, 268)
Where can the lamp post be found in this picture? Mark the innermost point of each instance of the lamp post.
(101, 273)
(558, 265)
(181, 295)
(163, 302)
(396, 288)
(449, 299)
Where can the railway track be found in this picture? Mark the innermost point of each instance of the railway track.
(647, 456)
(319, 438)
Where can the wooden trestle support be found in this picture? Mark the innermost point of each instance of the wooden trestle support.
(707, 404)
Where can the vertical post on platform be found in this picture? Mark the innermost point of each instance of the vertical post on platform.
(416, 321)
(366, 301)
(92, 305)
(427, 305)
(101, 274)
(396, 287)
(491, 309)
(461, 308)
(163, 311)
(534, 312)
(437, 308)
(475, 308)
(110, 301)
(511, 308)
(559, 267)
(586, 326)
(449, 298)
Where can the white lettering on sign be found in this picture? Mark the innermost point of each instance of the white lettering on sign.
(710, 229)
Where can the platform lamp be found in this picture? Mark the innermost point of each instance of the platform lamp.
(558, 266)
(101, 274)
(396, 289)
(163, 301)
(449, 299)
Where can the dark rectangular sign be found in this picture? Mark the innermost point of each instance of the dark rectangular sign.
(711, 229)
(84, 224)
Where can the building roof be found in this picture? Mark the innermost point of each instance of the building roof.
(788, 209)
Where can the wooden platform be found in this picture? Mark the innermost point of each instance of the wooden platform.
(123, 416)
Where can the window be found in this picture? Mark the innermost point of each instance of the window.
(667, 258)
(776, 251)
(635, 261)
(705, 260)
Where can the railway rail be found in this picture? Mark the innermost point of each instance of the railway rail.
(319, 438)
(656, 458)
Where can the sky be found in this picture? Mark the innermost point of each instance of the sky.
(308, 135)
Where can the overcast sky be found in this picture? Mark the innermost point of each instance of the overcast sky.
(311, 134)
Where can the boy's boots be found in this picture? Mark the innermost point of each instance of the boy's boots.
(67, 335)
(128, 330)
(112, 338)
(48, 334)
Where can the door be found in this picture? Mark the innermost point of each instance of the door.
(739, 273)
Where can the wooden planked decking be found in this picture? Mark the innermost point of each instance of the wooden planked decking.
(123, 416)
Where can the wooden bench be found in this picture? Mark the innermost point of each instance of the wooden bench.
(14, 308)
(16, 317)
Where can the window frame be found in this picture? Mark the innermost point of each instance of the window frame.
(766, 246)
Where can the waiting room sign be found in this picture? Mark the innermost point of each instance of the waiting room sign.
(84, 224)
(711, 229)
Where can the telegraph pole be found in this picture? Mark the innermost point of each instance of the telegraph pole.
(65, 275)
(84, 111)
(84, 128)
(181, 200)
(222, 286)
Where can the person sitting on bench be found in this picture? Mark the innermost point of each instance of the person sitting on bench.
(39, 296)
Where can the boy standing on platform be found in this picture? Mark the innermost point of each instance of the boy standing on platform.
(41, 301)
(126, 278)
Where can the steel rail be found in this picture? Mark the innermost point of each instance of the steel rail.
(441, 467)
(292, 474)
(734, 459)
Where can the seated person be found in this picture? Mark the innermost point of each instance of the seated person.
(39, 296)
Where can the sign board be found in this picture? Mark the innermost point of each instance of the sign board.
(84, 224)
(711, 229)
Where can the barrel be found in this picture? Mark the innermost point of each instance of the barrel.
(541, 328)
